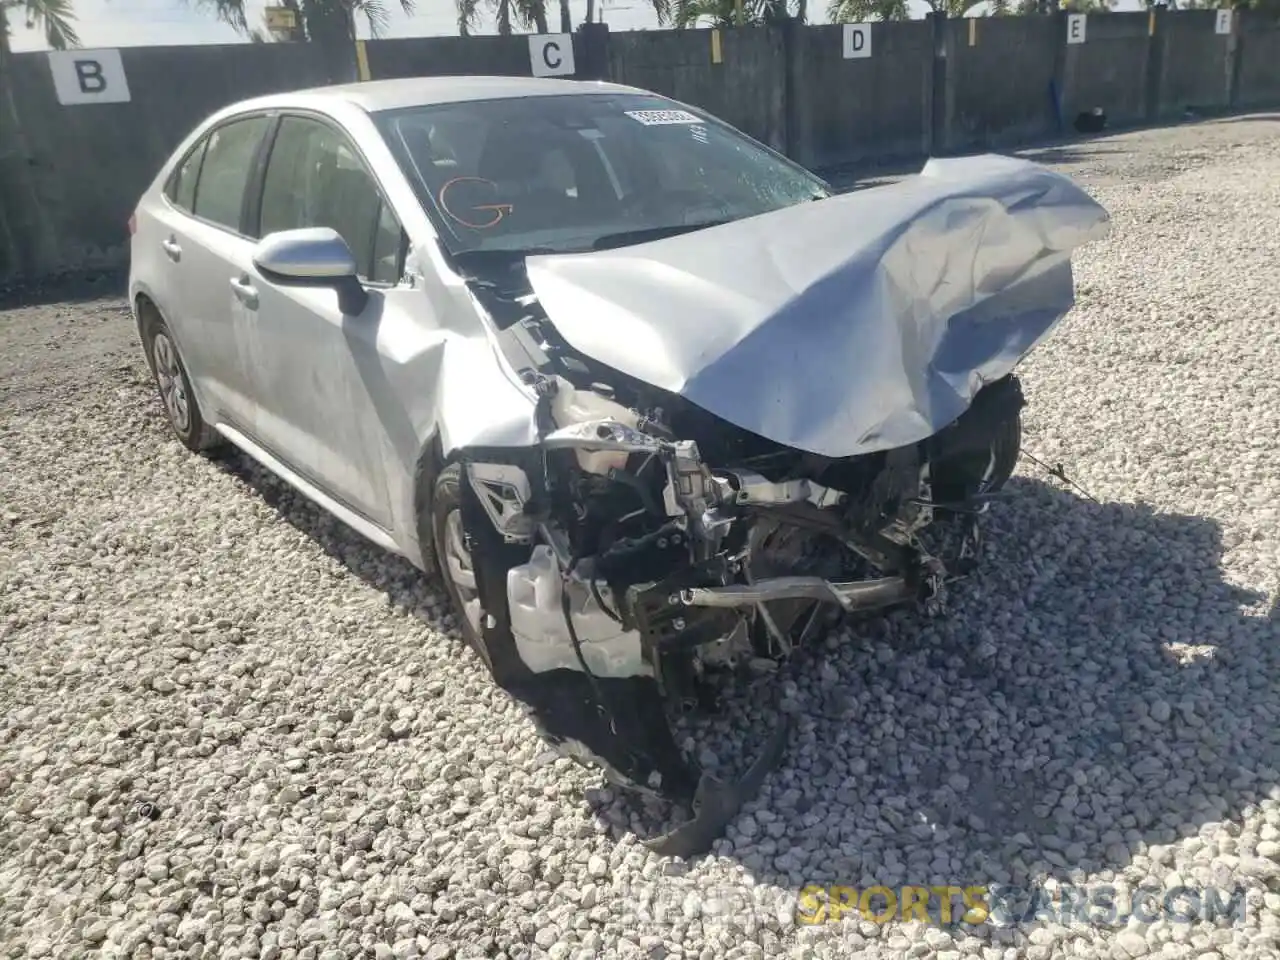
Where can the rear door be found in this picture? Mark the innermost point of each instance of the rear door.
(312, 362)
(201, 231)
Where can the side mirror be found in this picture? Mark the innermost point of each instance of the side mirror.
(312, 256)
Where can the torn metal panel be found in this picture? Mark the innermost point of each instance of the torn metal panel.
(851, 325)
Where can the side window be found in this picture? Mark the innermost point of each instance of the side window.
(182, 185)
(228, 159)
(315, 179)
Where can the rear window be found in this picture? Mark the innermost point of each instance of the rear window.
(224, 174)
(182, 185)
(567, 172)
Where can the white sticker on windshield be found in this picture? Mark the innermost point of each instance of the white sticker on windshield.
(657, 118)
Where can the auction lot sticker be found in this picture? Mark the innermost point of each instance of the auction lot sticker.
(657, 118)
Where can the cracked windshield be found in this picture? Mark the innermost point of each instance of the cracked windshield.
(560, 174)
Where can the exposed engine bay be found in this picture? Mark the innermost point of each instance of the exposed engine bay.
(645, 544)
(732, 437)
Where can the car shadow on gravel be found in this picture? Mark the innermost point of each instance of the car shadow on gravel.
(405, 587)
(1098, 688)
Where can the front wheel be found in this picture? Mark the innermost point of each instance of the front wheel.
(1006, 447)
(174, 387)
(453, 557)
(473, 561)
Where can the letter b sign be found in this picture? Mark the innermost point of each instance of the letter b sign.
(551, 55)
(88, 76)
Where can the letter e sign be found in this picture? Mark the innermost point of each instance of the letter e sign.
(88, 76)
(551, 54)
(1076, 23)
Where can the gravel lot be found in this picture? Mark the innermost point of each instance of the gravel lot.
(233, 729)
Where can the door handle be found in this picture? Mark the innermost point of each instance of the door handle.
(172, 250)
(245, 291)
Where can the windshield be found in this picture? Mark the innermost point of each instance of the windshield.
(583, 172)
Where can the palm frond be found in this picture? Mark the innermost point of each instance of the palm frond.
(528, 12)
(230, 12)
(375, 14)
(468, 16)
(861, 11)
(56, 18)
(663, 9)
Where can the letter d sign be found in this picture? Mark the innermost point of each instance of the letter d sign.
(88, 76)
(855, 42)
(551, 55)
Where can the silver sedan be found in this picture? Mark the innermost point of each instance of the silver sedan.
(654, 402)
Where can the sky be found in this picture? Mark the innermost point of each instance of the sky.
(123, 23)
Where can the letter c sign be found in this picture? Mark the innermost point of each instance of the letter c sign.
(551, 55)
(88, 76)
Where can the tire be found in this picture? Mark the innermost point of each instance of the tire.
(454, 513)
(982, 472)
(1005, 450)
(177, 399)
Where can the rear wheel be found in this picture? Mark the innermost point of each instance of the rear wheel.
(174, 386)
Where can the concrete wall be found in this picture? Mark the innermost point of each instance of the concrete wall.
(746, 88)
(1109, 70)
(70, 175)
(444, 56)
(1000, 75)
(1196, 64)
(1257, 76)
(873, 108)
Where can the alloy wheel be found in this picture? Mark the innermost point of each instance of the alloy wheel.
(172, 384)
(460, 569)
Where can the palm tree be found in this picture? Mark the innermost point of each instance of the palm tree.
(860, 11)
(318, 20)
(528, 14)
(728, 13)
(54, 17)
(1027, 7)
(857, 11)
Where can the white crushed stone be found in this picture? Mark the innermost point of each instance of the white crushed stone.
(232, 729)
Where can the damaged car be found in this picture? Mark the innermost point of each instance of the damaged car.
(651, 398)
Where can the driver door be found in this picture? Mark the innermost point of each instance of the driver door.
(316, 414)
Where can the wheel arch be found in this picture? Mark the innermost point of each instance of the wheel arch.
(143, 307)
(427, 469)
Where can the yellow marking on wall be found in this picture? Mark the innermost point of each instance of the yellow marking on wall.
(362, 60)
(973, 31)
(717, 55)
(1151, 24)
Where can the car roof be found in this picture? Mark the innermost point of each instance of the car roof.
(376, 95)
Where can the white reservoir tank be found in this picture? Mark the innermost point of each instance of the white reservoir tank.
(534, 591)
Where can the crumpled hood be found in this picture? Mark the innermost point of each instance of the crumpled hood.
(859, 323)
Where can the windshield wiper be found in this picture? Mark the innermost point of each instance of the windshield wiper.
(499, 254)
(627, 237)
